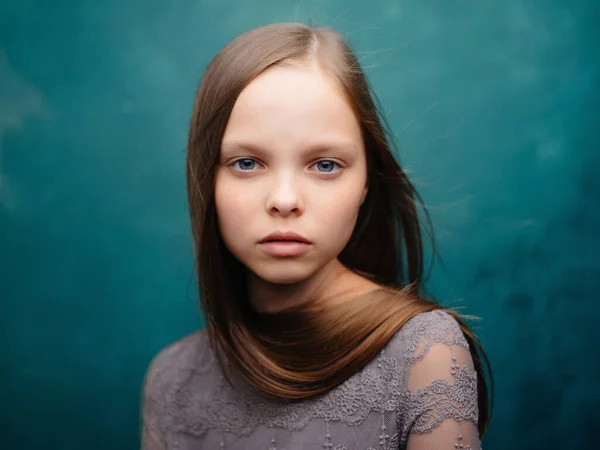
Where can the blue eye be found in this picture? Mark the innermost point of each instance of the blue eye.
(245, 164)
(326, 166)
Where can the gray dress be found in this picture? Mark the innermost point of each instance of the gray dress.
(420, 392)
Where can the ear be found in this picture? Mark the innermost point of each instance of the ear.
(362, 200)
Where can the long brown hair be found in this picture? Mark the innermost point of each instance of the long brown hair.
(300, 354)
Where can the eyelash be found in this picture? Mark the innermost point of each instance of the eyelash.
(254, 161)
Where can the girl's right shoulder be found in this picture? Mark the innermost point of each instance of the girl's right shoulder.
(169, 365)
(172, 369)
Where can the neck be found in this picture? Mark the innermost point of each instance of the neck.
(333, 283)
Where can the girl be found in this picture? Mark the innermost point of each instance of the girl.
(309, 258)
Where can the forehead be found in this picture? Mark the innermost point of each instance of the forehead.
(292, 105)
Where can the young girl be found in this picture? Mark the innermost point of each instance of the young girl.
(309, 257)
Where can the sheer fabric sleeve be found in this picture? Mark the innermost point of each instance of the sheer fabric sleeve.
(442, 390)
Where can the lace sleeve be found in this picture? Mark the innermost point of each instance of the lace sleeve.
(151, 435)
(442, 389)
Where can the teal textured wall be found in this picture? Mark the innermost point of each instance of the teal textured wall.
(495, 105)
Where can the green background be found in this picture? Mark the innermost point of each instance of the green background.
(495, 105)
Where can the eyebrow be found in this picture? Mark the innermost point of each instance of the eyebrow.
(347, 148)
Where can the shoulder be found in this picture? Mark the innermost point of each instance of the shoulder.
(428, 333)
(170, 364)
(168, 371)
(438, 363)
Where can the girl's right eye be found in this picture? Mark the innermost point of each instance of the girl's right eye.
(245, 164)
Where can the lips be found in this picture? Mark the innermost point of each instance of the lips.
(284, 244)
(284, 236)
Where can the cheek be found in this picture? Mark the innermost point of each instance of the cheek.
(338, 213)
(234, 209)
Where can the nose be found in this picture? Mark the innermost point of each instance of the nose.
(285, 199)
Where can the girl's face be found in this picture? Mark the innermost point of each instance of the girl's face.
(292, 174)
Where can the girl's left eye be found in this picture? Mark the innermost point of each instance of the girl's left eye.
(326, 166)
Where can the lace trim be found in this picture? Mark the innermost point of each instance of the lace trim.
(427, 408)
(195, 413)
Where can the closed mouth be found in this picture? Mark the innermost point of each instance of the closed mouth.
(283, 237)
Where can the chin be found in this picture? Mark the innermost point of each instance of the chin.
(283, 274)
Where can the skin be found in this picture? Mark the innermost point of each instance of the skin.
(292, 159)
